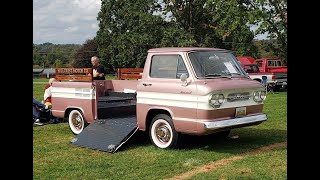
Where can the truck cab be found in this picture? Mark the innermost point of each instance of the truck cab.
(195, 91)
(271, 65)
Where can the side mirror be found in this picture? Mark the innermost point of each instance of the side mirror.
(183, 78)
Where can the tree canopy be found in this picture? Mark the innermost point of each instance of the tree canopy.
(127, 29)
(82, 56)
(48, 54)
(271, 18)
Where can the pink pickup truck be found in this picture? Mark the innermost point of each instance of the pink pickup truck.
(195, 91)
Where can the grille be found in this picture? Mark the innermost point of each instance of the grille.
(238, 97)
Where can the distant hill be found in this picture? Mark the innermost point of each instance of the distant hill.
(48, 54)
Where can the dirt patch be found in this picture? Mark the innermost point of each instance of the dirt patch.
(215, 164)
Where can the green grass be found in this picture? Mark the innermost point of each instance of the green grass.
(269, 165)
(38, 91)
(40, 80)
(110, 76)
(55, 158)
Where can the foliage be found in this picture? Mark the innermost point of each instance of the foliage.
(82, 56)
(271, 17)
(127, 30)
(265, 49)
(214, 23)
(46, 54)
(173, 36)
(58, 63)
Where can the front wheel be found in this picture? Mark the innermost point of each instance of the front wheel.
(77, 122)
(162, 132)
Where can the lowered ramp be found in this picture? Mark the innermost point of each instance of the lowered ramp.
(107, 134)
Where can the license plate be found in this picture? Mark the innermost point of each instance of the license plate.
(240, 111)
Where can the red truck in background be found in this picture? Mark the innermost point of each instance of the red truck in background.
(271, 67)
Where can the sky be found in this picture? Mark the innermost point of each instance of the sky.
(67, 21)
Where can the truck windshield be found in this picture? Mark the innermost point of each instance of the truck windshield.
(213, 64)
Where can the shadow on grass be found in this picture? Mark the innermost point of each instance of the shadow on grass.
(140, 138)
(248, 139)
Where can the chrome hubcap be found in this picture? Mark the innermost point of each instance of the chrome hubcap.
(77, 122)
(163, 134)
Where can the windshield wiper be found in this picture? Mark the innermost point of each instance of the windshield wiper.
(212, 75)
(217, 75)
(235, 74)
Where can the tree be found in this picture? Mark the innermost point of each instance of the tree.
(83, 55)
(173, 36)
(214, 23)
(195, 18)
(271, 17)
(264, 48)
(46, 54)
(127, 29)
(58, 63)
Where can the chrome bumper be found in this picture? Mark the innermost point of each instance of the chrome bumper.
(235, 122)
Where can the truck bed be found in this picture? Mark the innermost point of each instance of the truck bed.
(116, 123)
(116, 104)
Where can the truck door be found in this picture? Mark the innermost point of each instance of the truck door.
(162, 88)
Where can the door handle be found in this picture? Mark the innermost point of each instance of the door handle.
(146, 84)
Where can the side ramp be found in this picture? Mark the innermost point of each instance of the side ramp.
(107, 134)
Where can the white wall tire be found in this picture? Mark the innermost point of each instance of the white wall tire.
(162, 132)
(76, 122)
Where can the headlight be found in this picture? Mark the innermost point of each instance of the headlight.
(259, 96)
(215, 100)
(221, 98)
(263, 95)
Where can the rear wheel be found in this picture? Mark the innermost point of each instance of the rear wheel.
(77, 122)
(162, 132)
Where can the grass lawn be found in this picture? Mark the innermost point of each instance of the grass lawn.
(55, 158)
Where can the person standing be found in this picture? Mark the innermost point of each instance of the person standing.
(98, 69)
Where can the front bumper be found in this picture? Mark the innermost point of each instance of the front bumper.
(281, 82)
(241, 121)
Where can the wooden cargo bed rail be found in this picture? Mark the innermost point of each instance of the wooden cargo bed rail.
(129, 73)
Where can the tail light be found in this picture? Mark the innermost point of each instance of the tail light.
(273, 77)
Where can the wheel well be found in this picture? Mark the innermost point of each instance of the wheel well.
(152, 113)
(67, 112)
(259, 80)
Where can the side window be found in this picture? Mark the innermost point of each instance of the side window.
(248, 69)
(270, 63)
(255, 68)
(167, 66)
(274, 63)
(259, 63)
(181, 69)
(278, 63)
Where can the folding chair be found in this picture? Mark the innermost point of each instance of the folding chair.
(268, 86)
